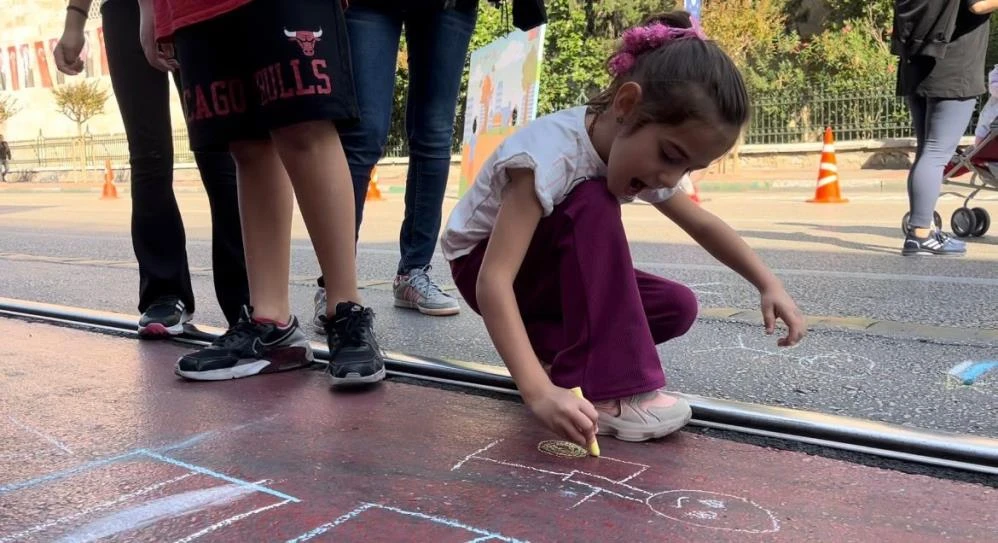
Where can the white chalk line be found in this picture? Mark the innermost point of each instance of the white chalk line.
(485, 534)
(592, 494)
(775, 522)
(809, 363)
(58, 444)
(211, 473)
(230, 521)
(597, 490)
(479, 451)
(93, 509)
(566, 476)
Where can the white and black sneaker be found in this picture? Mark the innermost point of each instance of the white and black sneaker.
(354, 354)
(248, 348)
(165, 317)
(935, 244)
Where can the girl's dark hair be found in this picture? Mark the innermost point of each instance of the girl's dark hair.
(682, 79)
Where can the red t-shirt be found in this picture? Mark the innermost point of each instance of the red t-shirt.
(172, 15)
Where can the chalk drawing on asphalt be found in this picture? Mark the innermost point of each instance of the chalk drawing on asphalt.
(840, 364)
(701, 508)
(129, 511)
(717, 298)
(38, 433)
(562, 449)
(476, 534)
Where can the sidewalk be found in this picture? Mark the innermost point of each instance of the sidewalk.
(851, 180)
(391, 180)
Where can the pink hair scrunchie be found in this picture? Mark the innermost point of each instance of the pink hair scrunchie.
(640, 39)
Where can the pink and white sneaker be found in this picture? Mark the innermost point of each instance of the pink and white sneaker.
(642, 416)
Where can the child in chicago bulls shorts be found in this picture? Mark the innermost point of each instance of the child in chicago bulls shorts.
(270, 80)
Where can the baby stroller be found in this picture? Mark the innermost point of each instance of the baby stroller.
(981, 161)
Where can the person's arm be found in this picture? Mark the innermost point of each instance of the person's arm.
(982, 7)
(67, 51)
(158, 57)
(724, 244)
(559, 409)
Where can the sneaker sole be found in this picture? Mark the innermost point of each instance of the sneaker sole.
(357, 379)
(930, 253)
(435, 312)
(636, 433)
(248, 369)
(158, 329)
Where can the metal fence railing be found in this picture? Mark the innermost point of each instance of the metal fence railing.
(776, 119)
(853, 115)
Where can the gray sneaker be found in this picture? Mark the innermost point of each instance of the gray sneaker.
(417, 291)
(319, 317)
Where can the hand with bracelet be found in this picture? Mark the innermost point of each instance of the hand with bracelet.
(68, 51)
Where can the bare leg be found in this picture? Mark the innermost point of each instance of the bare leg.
(265, 206)
(313, 156)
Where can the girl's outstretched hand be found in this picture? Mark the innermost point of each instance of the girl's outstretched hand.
(777, 304)
(566, 414)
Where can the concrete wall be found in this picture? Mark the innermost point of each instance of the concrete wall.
(31, 29)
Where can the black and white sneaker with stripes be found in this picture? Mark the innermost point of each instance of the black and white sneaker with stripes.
(165, 317)
(249, 348)
(936, 243)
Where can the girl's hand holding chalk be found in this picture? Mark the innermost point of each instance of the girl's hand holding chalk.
(566, 414)
(593, 444)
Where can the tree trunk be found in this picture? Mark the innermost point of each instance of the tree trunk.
(82, 151)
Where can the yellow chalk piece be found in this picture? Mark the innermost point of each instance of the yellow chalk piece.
(594, 446)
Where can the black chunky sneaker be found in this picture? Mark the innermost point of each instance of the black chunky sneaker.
(165, 317)
(354, 354)
(248, 348)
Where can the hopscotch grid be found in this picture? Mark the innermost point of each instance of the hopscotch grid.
(93, 509)
(596, 490)
(94, 464)
(342, 519)
(205, 471)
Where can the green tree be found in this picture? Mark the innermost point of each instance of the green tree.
(8, 108)
(80, 102)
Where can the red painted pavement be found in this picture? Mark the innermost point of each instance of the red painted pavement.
(100, 439)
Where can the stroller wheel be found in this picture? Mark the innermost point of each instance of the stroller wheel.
(983, 220)
(963, 222)
(936, 218)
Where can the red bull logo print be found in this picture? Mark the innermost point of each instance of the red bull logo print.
(306, 39)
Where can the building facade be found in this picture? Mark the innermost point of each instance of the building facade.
(29, 31)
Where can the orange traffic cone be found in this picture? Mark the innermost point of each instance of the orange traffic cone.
(827, 191)
(109, 192)
(373, 192)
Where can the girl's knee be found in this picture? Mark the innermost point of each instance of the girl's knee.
(306, 137)
(249, 154)
(682, 313)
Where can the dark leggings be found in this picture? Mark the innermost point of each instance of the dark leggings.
(143, 95)
(939, 125)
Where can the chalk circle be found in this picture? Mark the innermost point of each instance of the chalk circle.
(561, 449)
(838, 364)
(713, 510)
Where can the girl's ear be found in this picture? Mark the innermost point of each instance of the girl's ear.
(627, 99)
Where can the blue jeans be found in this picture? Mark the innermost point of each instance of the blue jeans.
(438, 46)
